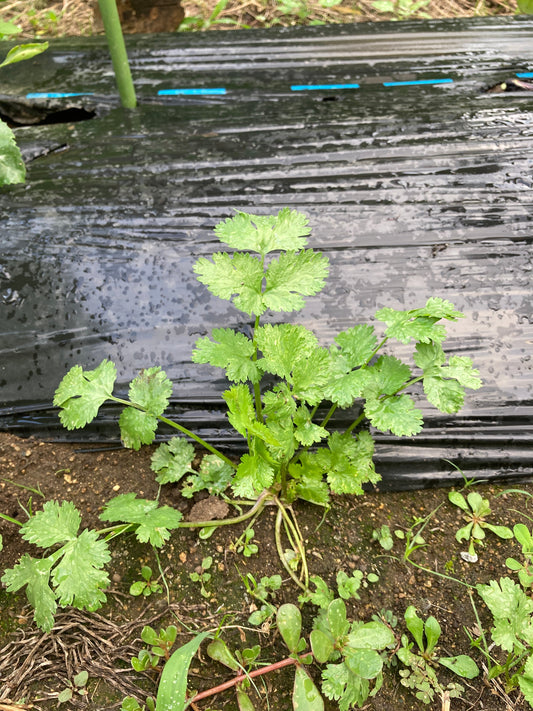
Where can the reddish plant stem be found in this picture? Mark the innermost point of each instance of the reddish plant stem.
(242, 677)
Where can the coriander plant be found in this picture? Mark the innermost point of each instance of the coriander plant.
(279, 376)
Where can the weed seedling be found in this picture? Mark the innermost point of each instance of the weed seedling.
(159, 647)
(420, 663)
(146, 586)
(76, 686)
(202, 576)
(383, 537)
(476, 509)
(525, 568)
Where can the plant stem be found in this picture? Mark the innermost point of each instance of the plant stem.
(242, 677)
(117, 49)
(277, 531)
(256, 509)
(180, 428)
(355, 423)
(257, 387)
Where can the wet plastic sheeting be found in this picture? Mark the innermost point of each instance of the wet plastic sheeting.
(411, 190)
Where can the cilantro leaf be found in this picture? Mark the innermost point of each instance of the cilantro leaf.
(446, 395)
(357, 345)
(81, 393)
(429, 357)
(461, 368)
(511, 609)
(56, 523)
(397, 414)
(292, 352)
(36, 575)
(438, 308)
(293, 276)
(310, 485)
(241, 407)
(136, 427)
(78, 575)
(237, 277)
(253, 475)
(348, 462)
(387, 375)
(405, 327)
(282, 345)
(307, 432)
(285, 231)
(230, 350)
(171, 461)
(214, 474)
(151, 390)
(344, 385)
(153, 523)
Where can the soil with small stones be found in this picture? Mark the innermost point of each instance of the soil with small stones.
(35, 667)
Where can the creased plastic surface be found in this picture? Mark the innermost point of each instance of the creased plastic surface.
(412, 191)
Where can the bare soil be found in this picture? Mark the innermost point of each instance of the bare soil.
(35, 667)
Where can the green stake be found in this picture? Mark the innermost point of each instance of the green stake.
(117, 48)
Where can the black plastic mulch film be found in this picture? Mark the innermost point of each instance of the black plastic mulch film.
(416, 182)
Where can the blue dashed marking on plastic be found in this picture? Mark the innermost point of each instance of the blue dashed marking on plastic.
(418, 82)
(191, 92)
(313, 87)
(57, 94)
(524, 75)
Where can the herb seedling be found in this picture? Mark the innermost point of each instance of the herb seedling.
(160, 646)
(420, 664)
(267, 586)
(202, 576)
(476, 509)
(383, 536)
(244, 543)
(146, 586)
(76, 686)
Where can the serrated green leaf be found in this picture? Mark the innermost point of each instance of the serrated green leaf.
(307, 432)
(253, 475)
(283, 345)
(305, 696)
(323, 596)
(344, 386)
(78, 576)
(511, 609)
(357, 344)
(214, 474)
(36, 575)
(462, 665)
(397, 414)
(461, 368)
(387, 376)
(446, 395)
(347, 462)
(137, 427)
(310, 485)
(153, 523)
(293, 276)
(56, 523)
(407, 325)
(310, 377)
(525, 680)
(348, 585)
(173, 460)
(236, 278)
(241, 407)
(438, 308)
(12, 168)
(429, 356)
(230, 350)
(151, 390)
(81, 393)
(285, 231)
